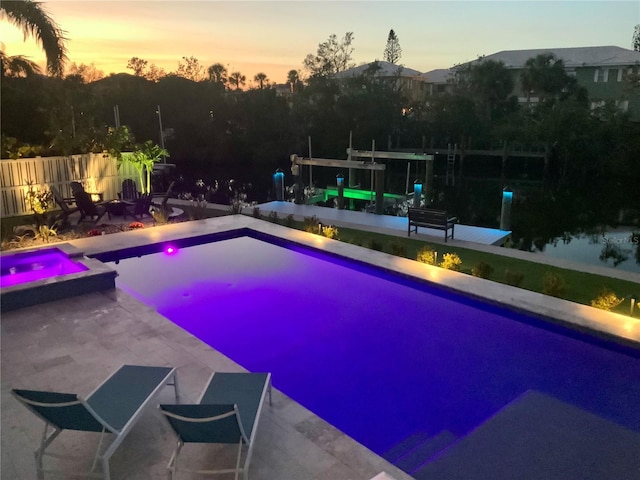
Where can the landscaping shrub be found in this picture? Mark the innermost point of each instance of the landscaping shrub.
(513, 278)
(482, 270)
(134, 225)
(310, 224)
(553, 285)
(374, 245)
(330, 232)
(273, 217)
(399, 250)
(160, 214)
(289, 221)
(427, 255)
(451, 261)
(256, 212)
(606, 300)
(198, 210)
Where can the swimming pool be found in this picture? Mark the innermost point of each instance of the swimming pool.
(380, 356)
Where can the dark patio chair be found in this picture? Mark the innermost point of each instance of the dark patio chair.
(139, 208)
(129, 191)
(89, 211)
(76, 187)
(66, 210)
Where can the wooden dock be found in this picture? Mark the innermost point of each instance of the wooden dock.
(386, 224)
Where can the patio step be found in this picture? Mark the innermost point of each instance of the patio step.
(414, 459)
(404, 446)
(414, 451)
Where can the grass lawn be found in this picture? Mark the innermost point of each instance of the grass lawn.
(578, 286)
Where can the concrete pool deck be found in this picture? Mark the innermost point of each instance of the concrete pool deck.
(73, 344)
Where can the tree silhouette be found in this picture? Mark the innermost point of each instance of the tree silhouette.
(18, 66)
(237, 80)
(392, 52)
(141, 68)
(293, 79)
(138, 66)
(331, 57)
(262, 79)
(191, 69)
(34, 22)
(88, 73)
(217, 73)
(635, 43)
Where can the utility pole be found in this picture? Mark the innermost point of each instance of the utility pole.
(164, 159)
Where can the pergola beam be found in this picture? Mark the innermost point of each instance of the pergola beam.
(327, 162)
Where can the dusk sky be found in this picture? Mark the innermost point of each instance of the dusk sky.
(274, 37)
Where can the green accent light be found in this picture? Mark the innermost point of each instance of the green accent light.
(359, 194)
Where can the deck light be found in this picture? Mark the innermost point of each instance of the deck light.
(417, 192)
(340, 183)
(278, 183)
(170, 250)
(505, 214)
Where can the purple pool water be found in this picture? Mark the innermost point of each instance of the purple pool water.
(37, 265)
(375, 355)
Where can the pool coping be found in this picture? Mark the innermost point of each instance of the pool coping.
(611, 326)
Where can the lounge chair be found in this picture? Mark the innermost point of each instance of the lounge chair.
(129, 191)
(63, 203)
(88, 210)
(114, 407)
(227, 413)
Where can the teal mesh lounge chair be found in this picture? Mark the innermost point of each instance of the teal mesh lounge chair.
(227, 413)
(114, 407)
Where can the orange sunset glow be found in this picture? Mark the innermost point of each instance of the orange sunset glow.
(274, 37)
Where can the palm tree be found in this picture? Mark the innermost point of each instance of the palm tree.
(261, 78)
(293, 77)
(34, 21)
(17, 66)
(237, 79)
(545, 77)
(217, 73)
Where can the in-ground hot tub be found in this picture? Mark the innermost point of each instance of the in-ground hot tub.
(42, 275)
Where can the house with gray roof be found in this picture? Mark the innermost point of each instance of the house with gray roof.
(408, 79)
(603, 71)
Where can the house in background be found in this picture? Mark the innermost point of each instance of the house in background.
(438, 81)
(603, 71)
(408, 79)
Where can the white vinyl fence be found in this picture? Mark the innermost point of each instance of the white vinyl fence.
(97, 172)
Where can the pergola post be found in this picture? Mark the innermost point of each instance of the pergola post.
(379, 192)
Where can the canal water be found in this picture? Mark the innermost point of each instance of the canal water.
(616, 249)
